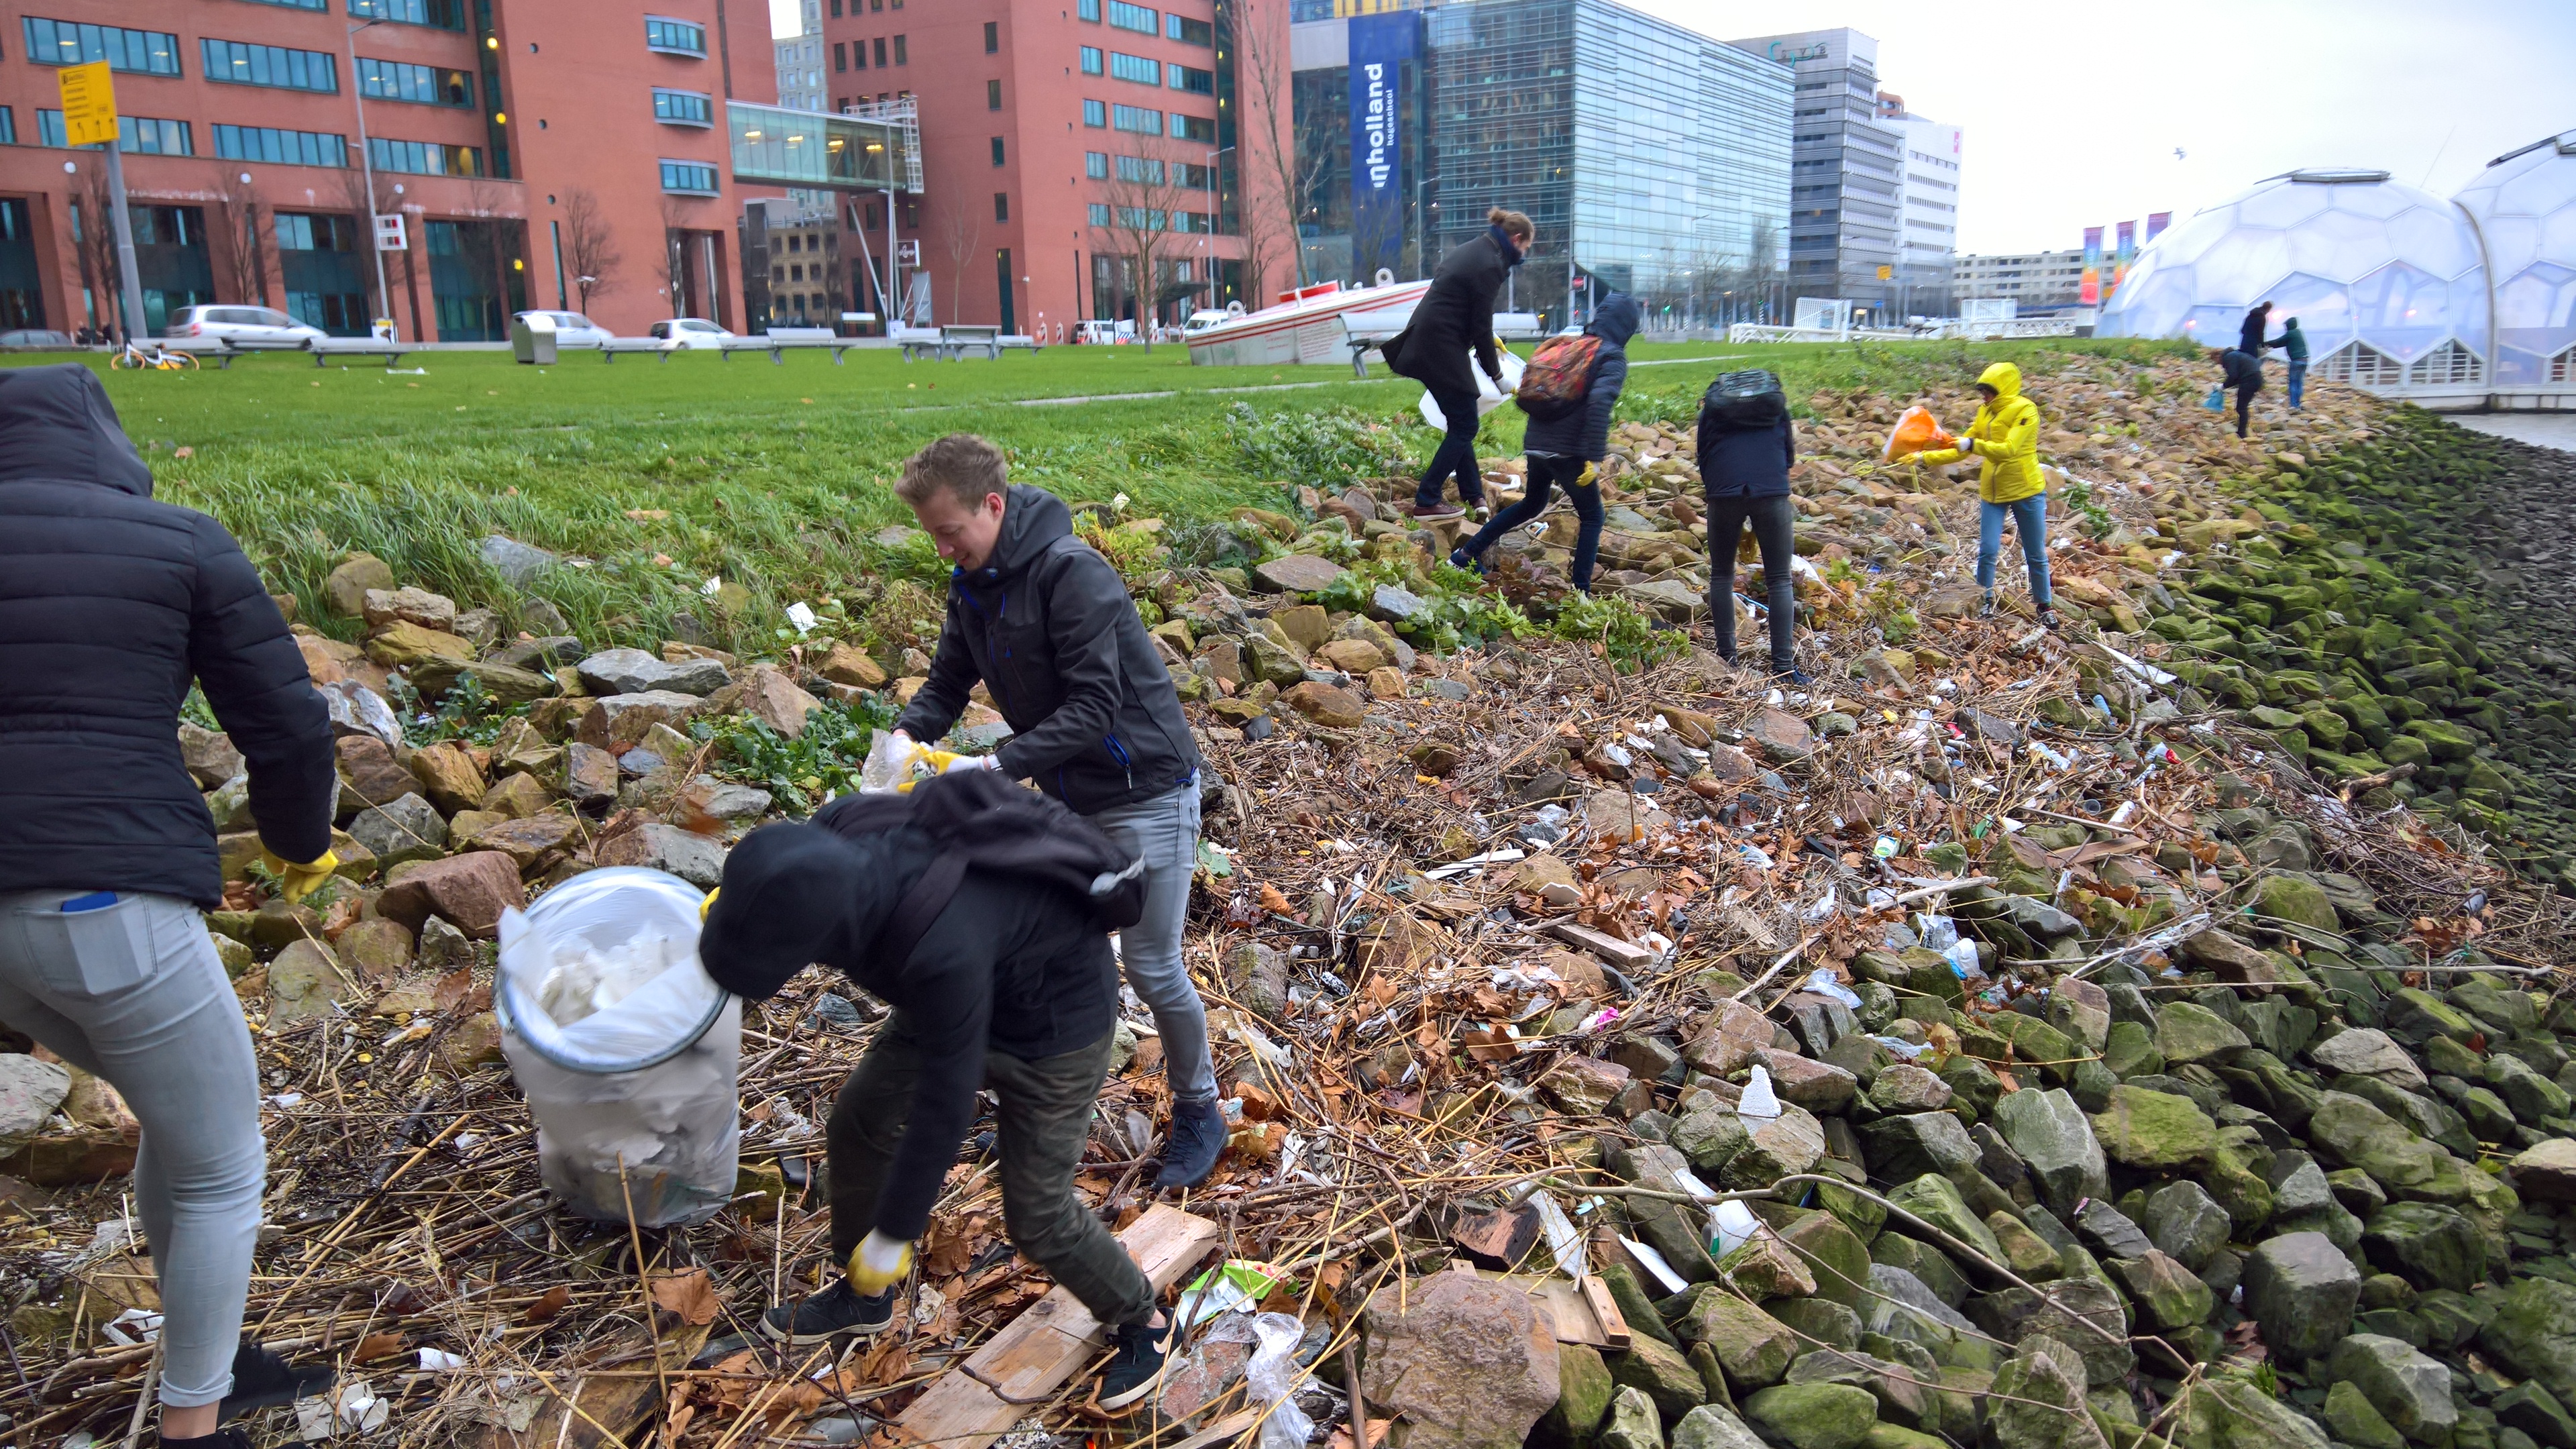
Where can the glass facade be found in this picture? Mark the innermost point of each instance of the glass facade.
(1652, 159)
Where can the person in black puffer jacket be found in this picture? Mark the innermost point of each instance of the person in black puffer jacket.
(1046, 624)
(1457, 315)
(1744, 460)
(2242, 372)
(110, 603)
(1567, 449)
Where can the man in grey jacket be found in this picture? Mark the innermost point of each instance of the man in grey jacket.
(1046, 624)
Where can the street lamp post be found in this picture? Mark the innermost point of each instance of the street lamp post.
(367, 167)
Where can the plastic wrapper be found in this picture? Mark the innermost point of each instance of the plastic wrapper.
(634, 1097)
(1916, 431)
(1488, 396)
(1272, 1375)
(892, 764)
(1759, 1106)
(1730, 1227)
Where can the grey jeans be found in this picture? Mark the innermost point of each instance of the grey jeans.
(133, 992)
(1165, 830)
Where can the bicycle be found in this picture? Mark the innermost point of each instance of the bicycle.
(136, 356)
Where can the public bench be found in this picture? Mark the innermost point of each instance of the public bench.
(326, 348)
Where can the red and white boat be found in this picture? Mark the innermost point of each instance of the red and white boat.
(1305, 325)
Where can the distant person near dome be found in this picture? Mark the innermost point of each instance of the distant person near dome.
(2244, 373)
(2294, 342)
(2249, 336)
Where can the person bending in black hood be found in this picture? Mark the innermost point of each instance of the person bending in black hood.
(2244, 373)
(110, 604)
(1046, 624)
(1010, 987)
(1454, 318)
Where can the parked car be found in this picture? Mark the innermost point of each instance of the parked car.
(241, 326)
(34, 338)
(571, 328)
(690, 331)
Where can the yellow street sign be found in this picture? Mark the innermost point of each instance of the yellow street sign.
(89, 105)
(1886, 272)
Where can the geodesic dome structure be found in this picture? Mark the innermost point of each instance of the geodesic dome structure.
(2524, 206)
(2388, 282)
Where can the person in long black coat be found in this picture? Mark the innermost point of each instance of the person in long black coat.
(2250, 332)
(1455, 316)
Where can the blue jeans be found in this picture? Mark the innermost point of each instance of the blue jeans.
(1546, 471)
(2030, 521)
(2298, 380)
(134, 993)
(1165, 830)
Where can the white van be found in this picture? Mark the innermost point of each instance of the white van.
(1100, 331)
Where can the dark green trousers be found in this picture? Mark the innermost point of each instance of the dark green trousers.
(1044, 1120)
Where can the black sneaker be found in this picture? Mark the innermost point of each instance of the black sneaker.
(836, 1310)
(1459, 558)
(220, 1439)
(2047, 617)
(1793, 677)
(262, 1380)
(1138, 1366)
(1197, 1140)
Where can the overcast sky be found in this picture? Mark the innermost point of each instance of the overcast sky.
(2074, 112)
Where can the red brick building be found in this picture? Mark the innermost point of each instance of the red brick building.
(528, 143)
(1072, 149)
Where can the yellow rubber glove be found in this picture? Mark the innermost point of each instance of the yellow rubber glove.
(1591, 475)
(294, 881)
(707, 905)
(940, 762)
(879, 1263)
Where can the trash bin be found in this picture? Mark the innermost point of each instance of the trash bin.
(634, 1094)
(532, 338)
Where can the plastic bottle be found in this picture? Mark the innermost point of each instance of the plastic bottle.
(1730, 1227)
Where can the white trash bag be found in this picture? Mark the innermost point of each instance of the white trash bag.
(1488, 396)
(626, 1049)
(1272, 1375)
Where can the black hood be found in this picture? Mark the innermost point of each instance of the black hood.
(1616, 319)
(1032, 518)
(57, 424)
(793, 895)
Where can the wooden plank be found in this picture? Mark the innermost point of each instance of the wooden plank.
(1605, 1312)
(1609, 948)
(1032, 1356)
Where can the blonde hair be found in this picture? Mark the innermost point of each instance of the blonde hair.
(1513, 222)
(962, 465)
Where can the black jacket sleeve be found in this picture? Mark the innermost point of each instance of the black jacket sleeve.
(949, 1017)
(952, 678)
(1788, 442)
(1085, 602)
(1609, 376)
(262, 694)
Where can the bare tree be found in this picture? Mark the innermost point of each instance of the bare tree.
(1270, 145)
(248, 226)
(960, 229)
(675, 251)
(1147, 197)
(590, 246)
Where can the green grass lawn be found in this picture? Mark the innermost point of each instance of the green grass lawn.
(775, 477)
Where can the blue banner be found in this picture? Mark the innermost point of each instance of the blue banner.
(1380, 44)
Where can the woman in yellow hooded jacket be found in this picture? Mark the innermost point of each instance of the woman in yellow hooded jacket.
(2005, 436)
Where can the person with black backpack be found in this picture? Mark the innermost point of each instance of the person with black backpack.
(1746, 447)
(976, 909)
(1568, 400)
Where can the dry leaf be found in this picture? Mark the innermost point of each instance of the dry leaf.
(690, 1296)
(379, 1345)
(451, 988)
(1275, 903)
(557, 1299)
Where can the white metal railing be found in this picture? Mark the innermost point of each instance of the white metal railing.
(1984, 331)
(1764, 332)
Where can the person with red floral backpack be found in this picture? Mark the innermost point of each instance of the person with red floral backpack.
(1566, 439)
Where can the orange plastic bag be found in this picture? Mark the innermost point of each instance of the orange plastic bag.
(1917, 431)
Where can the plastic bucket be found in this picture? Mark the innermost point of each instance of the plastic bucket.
(636, 1102)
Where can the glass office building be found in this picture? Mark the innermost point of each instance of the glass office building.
(1653, 160)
